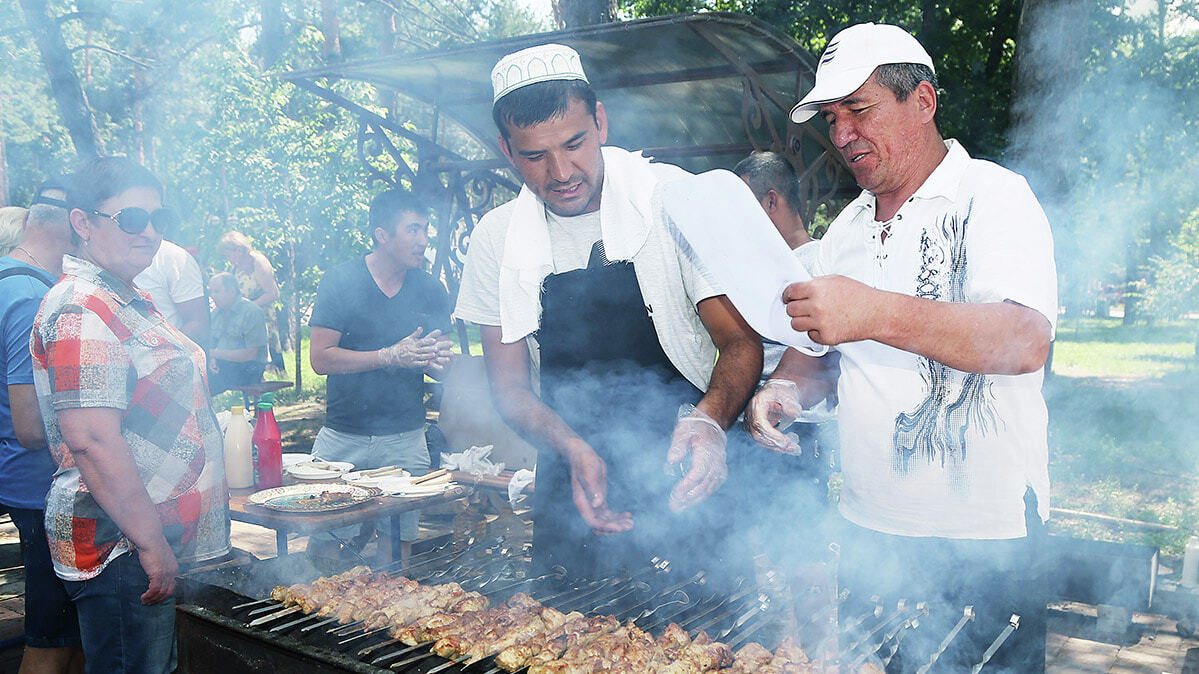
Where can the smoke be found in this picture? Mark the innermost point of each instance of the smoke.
(1101, 133)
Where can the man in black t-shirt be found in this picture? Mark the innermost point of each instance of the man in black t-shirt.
(376, 330)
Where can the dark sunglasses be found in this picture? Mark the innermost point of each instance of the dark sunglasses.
(133, 220)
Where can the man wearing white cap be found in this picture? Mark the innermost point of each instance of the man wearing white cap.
(580, 275)
(937, 287)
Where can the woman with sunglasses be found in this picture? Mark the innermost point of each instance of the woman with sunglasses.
(140, 486)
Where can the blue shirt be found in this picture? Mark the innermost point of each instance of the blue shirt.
(24, 474)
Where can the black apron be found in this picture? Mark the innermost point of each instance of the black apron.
(605, 374)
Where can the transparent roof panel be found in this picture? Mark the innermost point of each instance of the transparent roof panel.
(678, 84)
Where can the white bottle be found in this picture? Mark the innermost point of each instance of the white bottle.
(239, 447)
(1190, 563)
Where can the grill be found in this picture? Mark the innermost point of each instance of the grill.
(221, 629)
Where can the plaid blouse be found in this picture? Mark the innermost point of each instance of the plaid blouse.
(97, 342)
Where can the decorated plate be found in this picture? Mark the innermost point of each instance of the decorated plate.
(319, 470)
(313, 498)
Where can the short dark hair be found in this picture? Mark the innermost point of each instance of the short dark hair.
(536, 103)
(765, 171)
(903, 78)
(102, 178)
(389, 204)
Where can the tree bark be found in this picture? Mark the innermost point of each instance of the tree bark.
(270, 40)
(64, 82)
(331, 31)
(579, 13)
(4, 200)
(388, 44)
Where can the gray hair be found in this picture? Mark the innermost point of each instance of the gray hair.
(765, 171)
(903, 78)
(12, 227)
(227, 281)
(43, 216)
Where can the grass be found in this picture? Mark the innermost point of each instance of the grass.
(1124, 428)
(1091, 347)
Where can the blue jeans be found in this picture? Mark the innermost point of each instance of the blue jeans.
(119, 633)
(408, 450)
(50, 620)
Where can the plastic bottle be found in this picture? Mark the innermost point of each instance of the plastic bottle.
(1190, 563)
(239, 450)
(268, 446)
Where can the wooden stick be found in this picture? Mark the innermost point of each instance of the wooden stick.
(424, 479)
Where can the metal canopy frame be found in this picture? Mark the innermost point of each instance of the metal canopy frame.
(699, 90)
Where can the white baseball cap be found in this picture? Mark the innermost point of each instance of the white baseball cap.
(536, 64)
(849, 59)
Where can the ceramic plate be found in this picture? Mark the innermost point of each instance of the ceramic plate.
(313, 498)
(408, 489)
(293, 459)
(312, 470)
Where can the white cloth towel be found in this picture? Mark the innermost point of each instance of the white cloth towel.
(626, 198)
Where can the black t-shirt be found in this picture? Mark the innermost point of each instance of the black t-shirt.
(383, 401)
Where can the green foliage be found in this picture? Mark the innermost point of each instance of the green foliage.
(972, 44)
(183, 88)
(1175, 290)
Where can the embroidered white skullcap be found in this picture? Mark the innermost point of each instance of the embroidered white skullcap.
(536, 64)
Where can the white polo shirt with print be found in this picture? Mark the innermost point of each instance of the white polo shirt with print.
(928, 450)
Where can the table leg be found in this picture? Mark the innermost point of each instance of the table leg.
(280, 542)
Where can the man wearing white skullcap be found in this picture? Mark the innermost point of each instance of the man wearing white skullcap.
(937, 287)
(580, 274)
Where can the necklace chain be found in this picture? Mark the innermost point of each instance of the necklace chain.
(36, 262)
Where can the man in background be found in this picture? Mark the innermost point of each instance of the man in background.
(238, 354)
(51, 627)
(773, 181)
(376, 330)
(175, 285)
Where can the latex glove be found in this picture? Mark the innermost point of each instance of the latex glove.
(161, 567)
(412, 351)
(699, 437)
(589, 488)
(441, 357)
(775, 406)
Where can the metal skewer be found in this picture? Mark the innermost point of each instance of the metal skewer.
(900, 613)
(967, 616)
(252, 603)
(273, 616)
(1012, 626)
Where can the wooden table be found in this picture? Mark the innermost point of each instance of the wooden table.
(380, 507)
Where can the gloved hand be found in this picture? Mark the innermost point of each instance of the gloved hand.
(699, 436)
(775, 406)
(412, 351)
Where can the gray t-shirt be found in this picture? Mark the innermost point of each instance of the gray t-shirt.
(241, 325)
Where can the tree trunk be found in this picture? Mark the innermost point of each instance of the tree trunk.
(293, 310)
(579, 13)
(388, 44)
(4, 200)
(64, 82)
(331, 31)
(271, 39)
